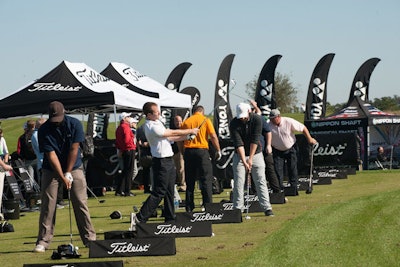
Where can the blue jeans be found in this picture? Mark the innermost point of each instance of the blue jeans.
(258, 176)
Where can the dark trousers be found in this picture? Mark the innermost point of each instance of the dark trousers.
(290, 156)
(270, 173)
(124, 180)
(164, 175)
(198, 164)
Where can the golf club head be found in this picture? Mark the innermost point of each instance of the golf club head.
(247, 217)
(309, 191)
(102, 200)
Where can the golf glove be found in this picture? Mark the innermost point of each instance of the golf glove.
(218, 155)
(68, 175)
(190, 137)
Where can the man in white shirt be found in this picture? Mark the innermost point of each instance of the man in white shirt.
(164, 171)
(284, 145)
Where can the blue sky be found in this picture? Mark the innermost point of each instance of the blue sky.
(155, 36)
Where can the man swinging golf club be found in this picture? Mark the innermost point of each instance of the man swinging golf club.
(59, 139)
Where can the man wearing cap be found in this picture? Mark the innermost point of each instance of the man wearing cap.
(126, 149)
(246, 130)
(59, 139)
(284, 145)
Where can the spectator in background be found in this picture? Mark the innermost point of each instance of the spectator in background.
(177, 147)
(126, 149)
(145, 158)
(35, 145)
(381, 154)
(4, 154)
(133, 124)
(25, 149)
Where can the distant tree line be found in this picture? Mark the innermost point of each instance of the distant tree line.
(287, 101)
(385, 103)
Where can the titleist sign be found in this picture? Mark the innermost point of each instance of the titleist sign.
(329, 150)
(215, 213)
(206, 216)
(124, 247)
(133, 247)
(172, 229)
(53, 87)
(181, 228)
(92, 77)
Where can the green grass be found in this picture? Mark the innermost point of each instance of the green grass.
(353, 222)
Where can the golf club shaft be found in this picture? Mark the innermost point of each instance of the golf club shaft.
(93, 194)
(70, 217)
(311, 169)
(248, 193)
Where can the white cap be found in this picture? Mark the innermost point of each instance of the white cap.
(124, 115)
(242, 110)
(133, 120)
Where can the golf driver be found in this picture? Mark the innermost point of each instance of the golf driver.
(94, 195)
(67, 251)
(247, 217)
(310, 183)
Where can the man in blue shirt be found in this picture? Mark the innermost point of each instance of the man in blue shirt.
(59, 140)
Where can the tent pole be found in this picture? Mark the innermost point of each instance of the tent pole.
(115, 116)
(391, 157)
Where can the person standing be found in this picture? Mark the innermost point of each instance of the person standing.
(59, 139)
(197, 157)
(25, 149)
(4, 154)
(126, 149)
(4, 167)
(145, 158)
(246, 130)
(177, 147)
(39, 155)
(284, 145)
(265, 139)
(164, 171)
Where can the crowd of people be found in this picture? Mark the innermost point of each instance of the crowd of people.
(169, 157)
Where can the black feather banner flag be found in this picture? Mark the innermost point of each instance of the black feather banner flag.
(360, 83)
(317, 89)
(265, 89)
(222, 117)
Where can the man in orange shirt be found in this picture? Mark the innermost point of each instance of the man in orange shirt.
(197, 157)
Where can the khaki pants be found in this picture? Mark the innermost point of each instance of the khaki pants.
(47, 219)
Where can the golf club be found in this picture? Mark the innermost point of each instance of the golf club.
(70, 217)
(247, 217)
(310, 183)
(94, 195)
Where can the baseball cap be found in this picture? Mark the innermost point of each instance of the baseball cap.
(123, 115)
(133, 120)
(242, 110)
(274, 113)
(56, 111)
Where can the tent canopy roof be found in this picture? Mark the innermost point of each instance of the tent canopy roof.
(80, 88)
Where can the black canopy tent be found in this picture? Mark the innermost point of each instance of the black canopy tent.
(81, 89)
(371, 126)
